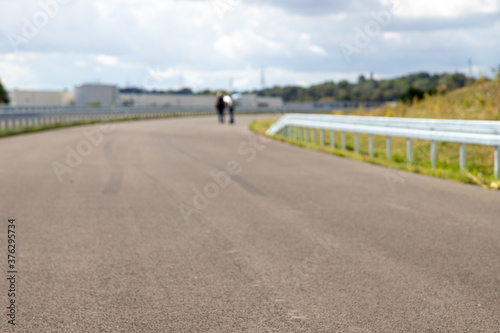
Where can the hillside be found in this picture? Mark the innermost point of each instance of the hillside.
(480, 101)
(369, 89)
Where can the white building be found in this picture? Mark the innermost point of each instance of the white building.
(246, 101)
(254, 101)
(41, 98)
(107, 95)
(96, 95)
(166, 100)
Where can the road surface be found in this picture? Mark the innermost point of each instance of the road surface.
(185, 225)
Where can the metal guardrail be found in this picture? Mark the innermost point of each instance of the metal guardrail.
(465, 132)
(7, 109)
(15, 119)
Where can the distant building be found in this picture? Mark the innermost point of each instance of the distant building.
(96, 95)
(254, 101)
(166, 100)
(41, 98)
(249, 101)
(107, 95)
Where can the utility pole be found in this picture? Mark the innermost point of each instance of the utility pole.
(263, 79)
(470, 67)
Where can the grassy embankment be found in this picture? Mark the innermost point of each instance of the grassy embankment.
(478, 102)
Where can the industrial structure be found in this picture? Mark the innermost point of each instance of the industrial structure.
(41, 98)
(247, 101)
(109, 95)
(96, 95)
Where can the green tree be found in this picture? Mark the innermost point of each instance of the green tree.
(496, 72)
(372, 90)
(4, 96)
(412, 94)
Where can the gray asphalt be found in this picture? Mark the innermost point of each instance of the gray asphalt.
(293, 241)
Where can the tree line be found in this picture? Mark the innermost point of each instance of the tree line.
(404, 88)
(4, 96)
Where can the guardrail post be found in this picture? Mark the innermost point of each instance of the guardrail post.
(356, 143)
(332, 139)
(370, 144)
(463, 161)
(497, 162)
(305, 134)
(299, 131)
(314, 135)
(322, 137)
(388, 146)
(433, 154)
(343, 141)
(409, 151)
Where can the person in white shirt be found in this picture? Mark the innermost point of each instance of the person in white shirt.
(230, 104)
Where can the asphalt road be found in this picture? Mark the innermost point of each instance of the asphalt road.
(140, 236)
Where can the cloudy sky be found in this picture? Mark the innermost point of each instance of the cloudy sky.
(165, 44)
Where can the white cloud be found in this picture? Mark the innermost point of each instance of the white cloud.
(107, 60)
(241, 83)
(247, 43)
(318, 50)
(393, 36)
(80, 63)
(450, 9)
(120, 41)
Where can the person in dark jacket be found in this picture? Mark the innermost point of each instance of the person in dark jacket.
(220, 106)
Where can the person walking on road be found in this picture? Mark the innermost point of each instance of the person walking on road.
(230, 104)
(220, 105)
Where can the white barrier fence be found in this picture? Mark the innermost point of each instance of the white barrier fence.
(18, 119)
(465, 132)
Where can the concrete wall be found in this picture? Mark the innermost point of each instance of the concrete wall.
(254, 101)
(41, 98)
(106, 95)
(167, 100)
(96, 95)
(246, 101)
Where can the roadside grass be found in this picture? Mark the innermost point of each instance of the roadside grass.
(480, 101)
(479, 158)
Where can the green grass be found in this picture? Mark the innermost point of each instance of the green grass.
(479, 158)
